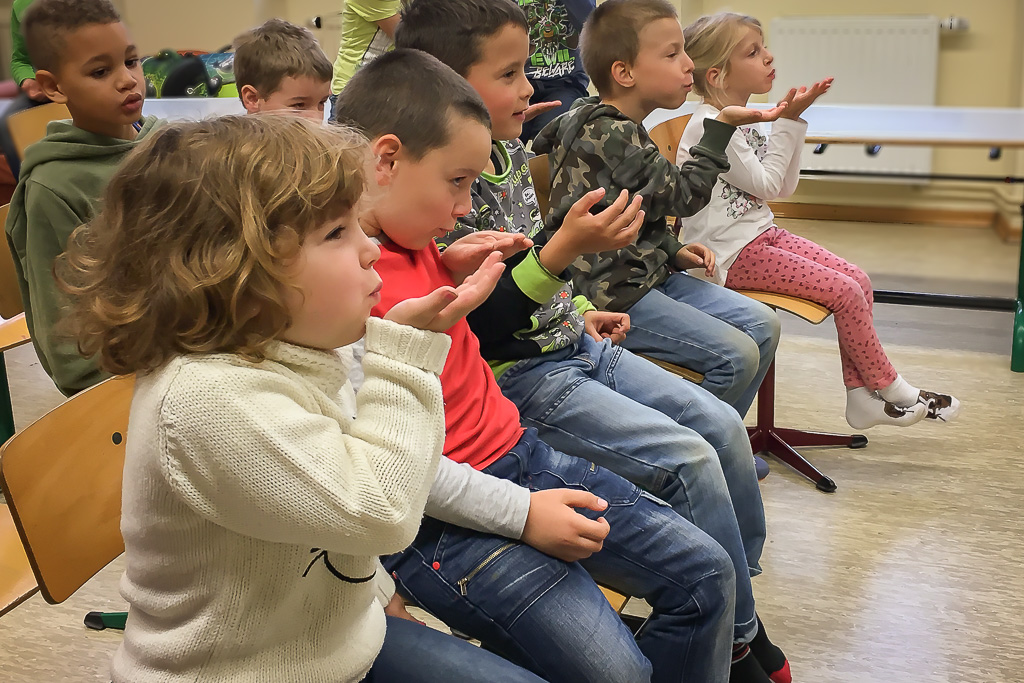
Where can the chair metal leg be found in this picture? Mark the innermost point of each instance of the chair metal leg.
(782, 442)
(98, 621)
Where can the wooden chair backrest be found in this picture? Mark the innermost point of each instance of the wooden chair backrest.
(541, 174)
(62, 479)
(10, 293)
(666, 136)
(29, 126)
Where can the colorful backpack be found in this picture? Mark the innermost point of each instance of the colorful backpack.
(188, 74)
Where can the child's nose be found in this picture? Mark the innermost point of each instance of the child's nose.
(128, 80)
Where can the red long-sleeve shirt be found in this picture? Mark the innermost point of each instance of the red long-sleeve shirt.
(481, 425)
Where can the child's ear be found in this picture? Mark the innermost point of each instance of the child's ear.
(48, 83)
(250, 99)
(386, 150)
(714, 78)
(623, 74)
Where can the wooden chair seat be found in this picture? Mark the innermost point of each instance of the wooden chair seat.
(803, 308)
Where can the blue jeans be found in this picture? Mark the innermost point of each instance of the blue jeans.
(417, 654)
(725, 336)
(549, 616)
(668, 436)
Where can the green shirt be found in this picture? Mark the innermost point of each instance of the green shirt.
(21, 67)
(361, 38)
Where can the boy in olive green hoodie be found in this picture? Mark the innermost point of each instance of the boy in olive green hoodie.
(84, 58)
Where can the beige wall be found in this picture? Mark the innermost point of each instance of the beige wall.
(984, 67)
(210, 24)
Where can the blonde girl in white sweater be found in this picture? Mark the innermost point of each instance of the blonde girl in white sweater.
(225, 267)
(751, 252)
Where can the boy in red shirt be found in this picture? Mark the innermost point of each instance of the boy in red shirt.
(522, 581)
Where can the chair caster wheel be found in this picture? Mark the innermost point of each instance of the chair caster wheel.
(859, 441)
(825, 485)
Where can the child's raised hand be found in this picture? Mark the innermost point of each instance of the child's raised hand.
(799, 99)
(535, 110)
(742, 116)
(606, 325)
(464, 255)
(554, 527)
(696, 255)
(445, 306)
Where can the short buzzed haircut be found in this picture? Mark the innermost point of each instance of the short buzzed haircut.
(454, 30)
(268, 54)
(47, 23)
(612, 34)
(409, 94)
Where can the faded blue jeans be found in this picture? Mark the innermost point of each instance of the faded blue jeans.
(417, 654)
(668, 436)
(549, 616)
(727, 337)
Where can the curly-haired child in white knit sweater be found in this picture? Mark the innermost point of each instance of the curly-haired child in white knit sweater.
(225, 267)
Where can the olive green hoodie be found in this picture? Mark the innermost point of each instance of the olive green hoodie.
(62, 180)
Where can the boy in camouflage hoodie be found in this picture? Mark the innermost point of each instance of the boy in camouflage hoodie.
(601, 142)
(564, 371)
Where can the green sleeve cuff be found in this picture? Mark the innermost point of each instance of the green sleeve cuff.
(583, 304)
(716, 136)
(22, 72)
(534, 280)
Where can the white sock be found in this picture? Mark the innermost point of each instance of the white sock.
(864, 410)
(900, 393)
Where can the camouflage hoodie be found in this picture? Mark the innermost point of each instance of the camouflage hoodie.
(595, 145)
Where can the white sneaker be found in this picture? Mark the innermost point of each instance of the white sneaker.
(941, 407)
(864, 410)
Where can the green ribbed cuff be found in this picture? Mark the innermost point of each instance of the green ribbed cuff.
(534, 279)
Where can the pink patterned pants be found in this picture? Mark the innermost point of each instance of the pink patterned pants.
(784, 263)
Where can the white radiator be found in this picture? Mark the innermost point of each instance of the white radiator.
(875, 60)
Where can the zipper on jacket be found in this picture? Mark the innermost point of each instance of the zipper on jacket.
(486, 561)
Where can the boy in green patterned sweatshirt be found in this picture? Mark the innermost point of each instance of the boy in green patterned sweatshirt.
(563, 368)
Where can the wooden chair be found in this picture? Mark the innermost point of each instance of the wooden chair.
(13, 330)
(17, 581)
(29, 126)
(61, 476)
(765, 437)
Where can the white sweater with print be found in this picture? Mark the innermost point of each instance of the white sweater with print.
(761, 169)
(254, 508)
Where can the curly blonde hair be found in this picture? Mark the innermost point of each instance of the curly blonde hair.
(710, 42)
(191, 251)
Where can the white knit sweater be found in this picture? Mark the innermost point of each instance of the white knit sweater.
(761, 169)
(254, 508)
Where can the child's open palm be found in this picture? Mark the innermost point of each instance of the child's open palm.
(445, 306)
(799, 99)
(466, 254)
(735, 115)
(613, 228)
